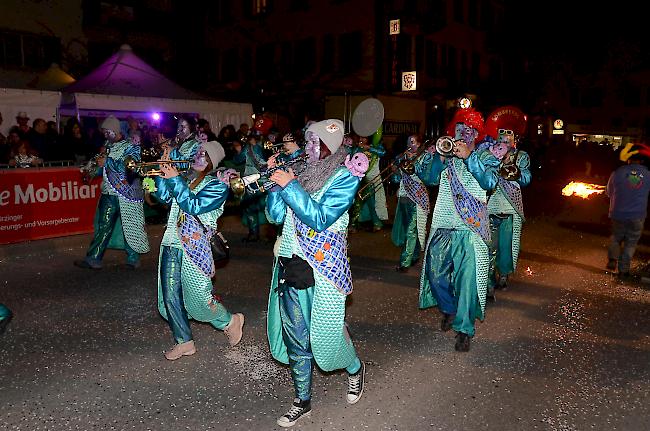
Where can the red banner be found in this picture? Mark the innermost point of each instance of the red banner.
(44, 203)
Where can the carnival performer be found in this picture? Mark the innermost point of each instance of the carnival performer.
(410, 225)
(311, 275)
(186, 142)
(290, 149)
(503, 128)
(186, 265)
(119, 219)
(371, 207)
(252, 154)
(5, 317)
(455, 271)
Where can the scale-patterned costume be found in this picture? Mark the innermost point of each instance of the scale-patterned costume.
(455, 271)
(315, 230)
(119, 219)
(186, 266)
(410, 225)
(506, 218)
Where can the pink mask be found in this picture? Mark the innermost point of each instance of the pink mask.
(201, 159)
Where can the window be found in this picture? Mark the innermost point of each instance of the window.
(286, 60)
(452, 67)
(246, 66)
(351, 52)
(306, 48)
(463, 68)
(495, 70)
(435, 17)
(459, 12)
(472, 13)
(475, 73)
(431, 59)
(28, 50)
(218, 12)
(404, 52)
(229, 65)
(299, 5)
(258, 8)
(265, 62)
(419, 52)
(328, 54)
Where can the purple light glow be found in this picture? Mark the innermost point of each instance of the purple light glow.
(155, 116)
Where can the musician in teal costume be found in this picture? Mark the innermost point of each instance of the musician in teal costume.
(186, 142)
(5, 317)
(311, 275)
(119, 219)
(253, 204)
(372, 205)
(410, 225)
(503, 128)
(186, 266)
(455, 272)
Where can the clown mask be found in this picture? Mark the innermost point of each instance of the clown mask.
(201, 159)
(109, 135)
(312, 147)
(466, 134)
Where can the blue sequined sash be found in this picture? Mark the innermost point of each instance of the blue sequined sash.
(417, 192)
(196, 242)
(327, 253)
(472, 211)
(512, 192)
(118, 183)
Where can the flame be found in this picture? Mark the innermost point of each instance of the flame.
(583, 190)
(529, 271)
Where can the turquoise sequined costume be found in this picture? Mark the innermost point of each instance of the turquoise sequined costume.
(506, 218)
(186, 266)
(307, 325)
(410, 225)
(252, 204)
(119, 219)
(455, 271)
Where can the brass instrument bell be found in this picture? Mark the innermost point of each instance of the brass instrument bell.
(445, 146)
(508, 169)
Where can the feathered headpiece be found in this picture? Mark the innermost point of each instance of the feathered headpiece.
(468, 116)
(631, 150)
(506, 117)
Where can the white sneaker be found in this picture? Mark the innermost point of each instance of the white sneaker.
(298, 410)
(234, 330)
(355, 385)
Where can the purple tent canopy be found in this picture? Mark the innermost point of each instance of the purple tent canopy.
(125, 74)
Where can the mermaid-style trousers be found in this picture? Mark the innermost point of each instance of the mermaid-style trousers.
(411, 249)
(295, 312)
(451, 271)
(109, 210)
(177, 297)
(501, 247)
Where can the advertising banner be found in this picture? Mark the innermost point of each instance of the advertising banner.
(45, 203)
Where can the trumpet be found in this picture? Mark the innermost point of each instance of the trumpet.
(259, 183)
(152, 169)
(273, 146)
(508, 169)
(88, 170)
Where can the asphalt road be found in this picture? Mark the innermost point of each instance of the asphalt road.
(566, 347)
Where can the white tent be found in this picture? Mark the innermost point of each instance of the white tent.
(126, 84)
(36, 103)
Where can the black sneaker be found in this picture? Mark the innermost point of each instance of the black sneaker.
(447, 320)
(611, 264)
(355, 385)
(489, 297)
(4, 322)
(298, 409)
(502, 283)
(462, 342)
(85, 265)
(402, 269)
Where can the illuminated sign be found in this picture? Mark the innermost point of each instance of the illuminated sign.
(394, 27)
(409, 81)
(558, 132)
(558, 124)
(465, 102)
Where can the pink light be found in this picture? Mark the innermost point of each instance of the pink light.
(155, 116)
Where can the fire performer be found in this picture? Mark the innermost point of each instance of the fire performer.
(455, 271)
(503, 128)
(311, 275)
(628, 189)
(186, 265)
(119, 219)
(410, 225)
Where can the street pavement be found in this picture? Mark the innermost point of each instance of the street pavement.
(566, 347)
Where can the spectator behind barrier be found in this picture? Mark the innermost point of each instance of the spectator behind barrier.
(24, 157)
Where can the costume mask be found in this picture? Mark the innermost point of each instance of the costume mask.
(201, 159)
(183, 130)
(109, 135)
(466, 134)
(312, 146)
